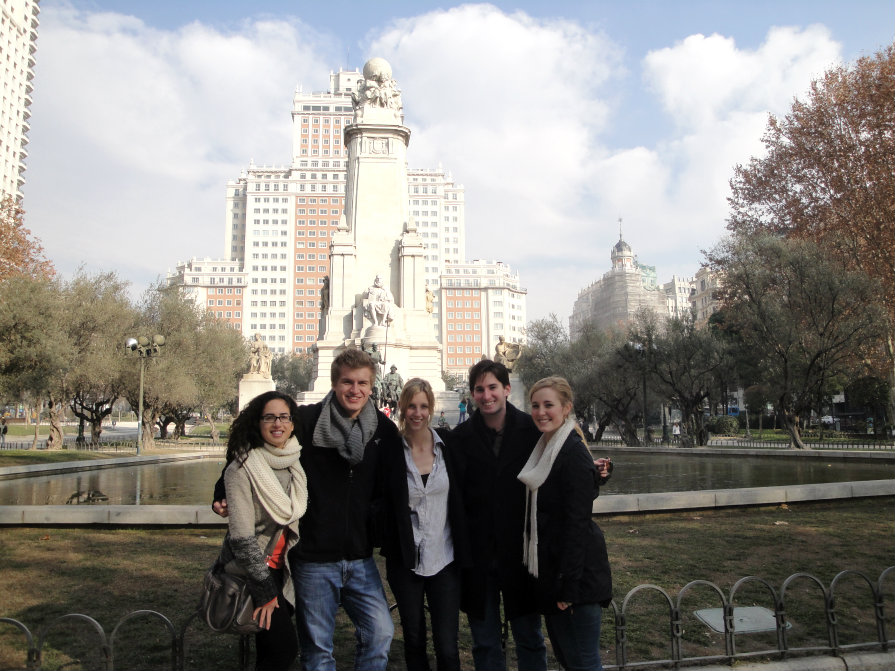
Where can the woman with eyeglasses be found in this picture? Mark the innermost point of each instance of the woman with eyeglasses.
(267, 493)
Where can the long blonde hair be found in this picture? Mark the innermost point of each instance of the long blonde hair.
(411, 388)
(564, 390)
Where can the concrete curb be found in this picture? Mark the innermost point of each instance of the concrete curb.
(855, 661)
(748, 496)
(619, 504)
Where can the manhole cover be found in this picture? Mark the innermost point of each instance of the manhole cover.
(746, 620)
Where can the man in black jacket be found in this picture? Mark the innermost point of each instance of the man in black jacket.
(494, 445)
(332, 563)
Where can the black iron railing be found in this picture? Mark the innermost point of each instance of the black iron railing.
(671, 621)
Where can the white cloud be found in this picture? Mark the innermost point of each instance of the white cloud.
(136, 130)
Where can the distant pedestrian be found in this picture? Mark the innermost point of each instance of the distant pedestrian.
(442, 421)
(462, 408)
(676, 433)
(3, 431)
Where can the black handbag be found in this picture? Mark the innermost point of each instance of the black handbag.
(226, 604)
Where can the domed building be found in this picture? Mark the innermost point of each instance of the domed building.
(613, 300)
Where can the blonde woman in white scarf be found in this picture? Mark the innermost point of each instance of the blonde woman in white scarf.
(563, 547)
(267, 493)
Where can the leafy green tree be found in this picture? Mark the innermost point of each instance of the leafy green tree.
(605, 383)
(197, 370)
(828, 175)
(682, 362)
(34, 353)
(98, 315)
(800, 316)
(292, 373)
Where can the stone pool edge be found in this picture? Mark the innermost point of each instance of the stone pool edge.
(617, 504)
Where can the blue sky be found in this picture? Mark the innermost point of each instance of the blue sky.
(557, 117)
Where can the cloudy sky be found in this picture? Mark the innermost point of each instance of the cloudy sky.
(558, 117)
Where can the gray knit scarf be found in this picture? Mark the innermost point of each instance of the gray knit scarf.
(349, 436)
(260, 465)
(533, 475)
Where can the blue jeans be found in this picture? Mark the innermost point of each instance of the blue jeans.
(575, 635)
(319, 589)
(442, 592)
(487, 653)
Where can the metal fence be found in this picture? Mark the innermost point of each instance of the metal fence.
(869, 593)
(852, 443)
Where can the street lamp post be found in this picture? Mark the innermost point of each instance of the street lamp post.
(145, 349)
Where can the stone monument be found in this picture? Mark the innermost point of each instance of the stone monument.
(377, 291)
(258, 380)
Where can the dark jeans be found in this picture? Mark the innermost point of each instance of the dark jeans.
(575, 635)
(277, 647)
(442, 593)
(531, 652)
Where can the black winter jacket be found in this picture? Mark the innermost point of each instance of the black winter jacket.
(494, 502)
(341, 498)
(573, 564)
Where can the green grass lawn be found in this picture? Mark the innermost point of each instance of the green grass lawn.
(106, 573)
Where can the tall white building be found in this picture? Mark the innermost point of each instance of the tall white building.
(280, 219)
(612, 301)
(480, 301)
(18, 44)
(677, 295)
(216, 284)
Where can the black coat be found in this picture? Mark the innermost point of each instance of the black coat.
(573, 564)
(396, 528)
(494, 502)
(341, 498)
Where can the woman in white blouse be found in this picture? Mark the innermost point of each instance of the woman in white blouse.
(424, 539)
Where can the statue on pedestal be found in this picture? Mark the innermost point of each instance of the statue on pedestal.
(379, 303)
(376, 392)
(392, 385)
(260, 357)
(507, 353)
(430, 300)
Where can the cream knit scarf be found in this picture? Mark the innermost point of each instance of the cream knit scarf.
(533, 475)
(260, 464)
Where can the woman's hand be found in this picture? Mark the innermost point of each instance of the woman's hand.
(562, 605)
(264, 613)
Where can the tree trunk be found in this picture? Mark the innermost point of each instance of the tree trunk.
(96, 429)
(55, 439)
(215, 434)
(148, 428)
(791, 423)
(628, 433)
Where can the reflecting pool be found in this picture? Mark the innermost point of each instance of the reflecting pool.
(192, 482)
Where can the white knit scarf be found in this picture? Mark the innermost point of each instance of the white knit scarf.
(533, 475)
(283, 508)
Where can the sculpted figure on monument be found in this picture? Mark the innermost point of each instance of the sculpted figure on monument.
(260, 357)
(430, 300)
(507, 352)
(324, 294)
(392, 385)
(377, 88)
(379, 304)
(376, 355)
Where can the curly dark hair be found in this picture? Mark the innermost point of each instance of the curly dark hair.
(485, 366)
(245, 432)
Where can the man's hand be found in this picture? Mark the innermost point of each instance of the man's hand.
(220, 508)
(604, 467)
